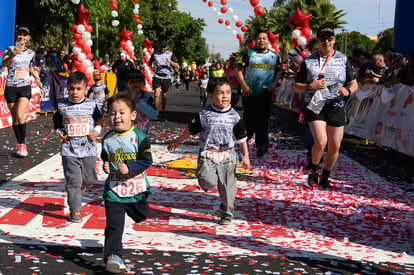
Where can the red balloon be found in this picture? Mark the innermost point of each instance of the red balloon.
(258, 10)
(73, 29)
(80, 42)
(123, 44)
(136, 16)
(82, 69)
(223, 9)
(306, 32)
(239, 24)
(76, 63)
(137, 21)
(239, 36)
(241, 40)
(89, 28)
(77, 36)
(86, 49)
(89, 56)
(227, 22)
(244, 29)
(220, 21)
(295, 42)
(204, 1)
(223, 2)
(210, 4)
(114, 6)
(254, 3)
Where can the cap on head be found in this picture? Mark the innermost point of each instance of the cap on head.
(325, 31)
(163, 44)
(135, 74)
(97, 77)
(23, 29)
(122, 55)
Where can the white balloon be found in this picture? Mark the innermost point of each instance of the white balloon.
(89, 42)
(296, 34)
(233, 32)
(115, 23)
(80, 28)
(86, 36)
(81, 57)
(86, 63)
(218, 14)
(76, 50)
(132, 48)
(136, 6)
(90, 70)
(214, 9)
(228, 28)
(230, 10)
(75, 2)
(235, 18)
(140, 32)
(302, 40)
(144, 50)
(139, 27)
(114, 13)
(128, 43)
(135, 11)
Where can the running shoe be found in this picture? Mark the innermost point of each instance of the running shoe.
(225, 221)
(75, 217)
(324, 182)
(115, 264)
(313, 179)
(21, 151)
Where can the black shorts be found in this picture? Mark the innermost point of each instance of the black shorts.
(165, 84)
(333, 114)
(12, 94)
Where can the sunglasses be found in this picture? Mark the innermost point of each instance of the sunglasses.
(323, 39)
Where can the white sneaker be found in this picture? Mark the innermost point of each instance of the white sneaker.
(21, 151)
(114, 264)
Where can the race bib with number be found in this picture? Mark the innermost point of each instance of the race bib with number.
(76, 126)
(125, 186)
(22, 73)
(216, 156)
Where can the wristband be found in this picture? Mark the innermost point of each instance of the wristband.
(349, 91)
(98, 129)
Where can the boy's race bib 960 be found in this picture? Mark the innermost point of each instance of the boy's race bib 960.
(125, 186)
(76, 126)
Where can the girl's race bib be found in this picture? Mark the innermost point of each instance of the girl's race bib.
(127, 186)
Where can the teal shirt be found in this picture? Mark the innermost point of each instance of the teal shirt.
(125, 147)
(260, 70)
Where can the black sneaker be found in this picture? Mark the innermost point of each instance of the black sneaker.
(261, 150)
(313, 179)
(324, 182)
(225, 221)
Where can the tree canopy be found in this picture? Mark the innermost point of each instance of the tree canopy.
(50, 22)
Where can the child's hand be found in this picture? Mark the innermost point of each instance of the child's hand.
(64, 136)
(246, 161)
(106, 167)
(93, 135)
(123, 168)
(173, 146)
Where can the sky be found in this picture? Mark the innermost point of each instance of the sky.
(368, 17)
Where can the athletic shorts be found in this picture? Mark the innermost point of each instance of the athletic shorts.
(12, 94)
(332, 113)
(165, 84)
